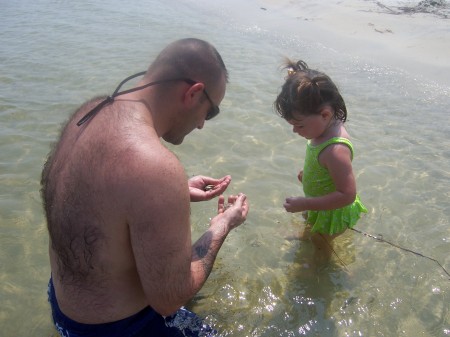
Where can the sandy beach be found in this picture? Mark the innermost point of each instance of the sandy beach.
(403, 35)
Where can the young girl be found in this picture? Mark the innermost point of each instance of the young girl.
(312, 104)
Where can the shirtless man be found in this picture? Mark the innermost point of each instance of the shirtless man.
(117, 202)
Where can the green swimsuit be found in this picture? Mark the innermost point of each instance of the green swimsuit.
(317, 182)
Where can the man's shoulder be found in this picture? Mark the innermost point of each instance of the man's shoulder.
(148, 154)
(152, 181)
(149, 163)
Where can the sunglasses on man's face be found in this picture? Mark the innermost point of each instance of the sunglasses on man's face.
(212, 112)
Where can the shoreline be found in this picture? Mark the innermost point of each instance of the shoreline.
(418, 43)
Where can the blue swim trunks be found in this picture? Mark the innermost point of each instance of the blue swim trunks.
(146, 323)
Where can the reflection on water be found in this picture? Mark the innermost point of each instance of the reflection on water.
(263, 283)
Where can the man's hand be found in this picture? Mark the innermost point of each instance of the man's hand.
(235, 211)
(203, 188)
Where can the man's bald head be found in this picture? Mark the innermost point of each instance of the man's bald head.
(189, 58)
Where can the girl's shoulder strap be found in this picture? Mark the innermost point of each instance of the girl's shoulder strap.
(336, 140)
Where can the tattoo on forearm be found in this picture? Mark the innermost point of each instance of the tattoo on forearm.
(205, 252)
(206, 261)
(201, 251)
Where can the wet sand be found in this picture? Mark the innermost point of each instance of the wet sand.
(401, 36)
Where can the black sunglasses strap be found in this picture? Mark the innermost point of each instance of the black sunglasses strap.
(116, 93)
(109, 99)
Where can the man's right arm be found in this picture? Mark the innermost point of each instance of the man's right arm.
(205, 250)
(171, 270)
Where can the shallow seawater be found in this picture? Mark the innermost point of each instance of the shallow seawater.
(55, 55)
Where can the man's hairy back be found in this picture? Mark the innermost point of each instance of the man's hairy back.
(85, 205)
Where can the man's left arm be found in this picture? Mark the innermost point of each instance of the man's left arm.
(203, 188)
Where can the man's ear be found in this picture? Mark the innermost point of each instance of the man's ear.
(194, 94)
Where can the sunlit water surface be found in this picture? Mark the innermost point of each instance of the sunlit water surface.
(56, 54)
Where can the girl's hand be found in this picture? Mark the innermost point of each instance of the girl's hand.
(203, 188)
(300, 176)
(295, 204)
(235, 211)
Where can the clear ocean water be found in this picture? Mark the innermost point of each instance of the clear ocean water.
(55, 54)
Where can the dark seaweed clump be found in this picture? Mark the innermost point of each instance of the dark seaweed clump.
(436, 7)
(440, 8)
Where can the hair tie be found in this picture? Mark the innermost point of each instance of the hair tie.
(291, 71)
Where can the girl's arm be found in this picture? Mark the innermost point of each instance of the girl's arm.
(337, 159)
(300, 176)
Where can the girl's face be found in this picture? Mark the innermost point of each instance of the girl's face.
(311, 126)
